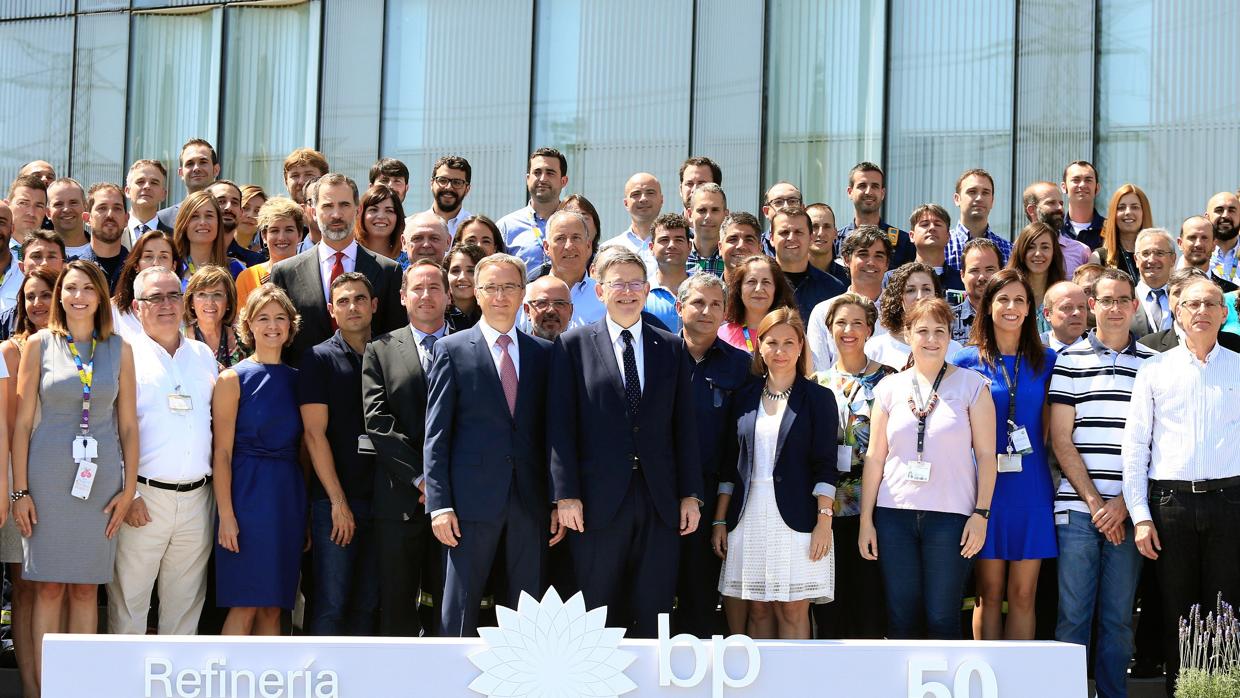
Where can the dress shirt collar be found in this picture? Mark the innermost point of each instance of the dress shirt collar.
(152, 224)
(1101, 349)
(342, 344)
(418, 335)
(960, 228)
(614, 330)
(492, 335)
(1143, 291)
(1192, 358)
(326, 253)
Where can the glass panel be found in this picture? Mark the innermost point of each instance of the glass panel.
(611, 91)
(950, 105)
(349, 116)
(271, 86)
(17, 9)
(824, 95)
(1167, 114)
(99, 98)
(36, 60)
(1056, 58)
(727, 97)
(448, 92)
(174, 90)
(96, 5)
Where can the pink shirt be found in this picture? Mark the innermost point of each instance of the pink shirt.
(949, 444)
(734, 333)
(1075, 253)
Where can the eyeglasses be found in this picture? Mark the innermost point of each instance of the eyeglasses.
(449, 182)
(500, 289)
(1148, 254)
(212, 297)
(619, 286)
(162, 298)
(778, 204)
(542, 304)
(1195, 305)
(1108, 303)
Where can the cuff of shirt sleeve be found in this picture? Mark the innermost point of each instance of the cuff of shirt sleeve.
(1139, 512)
(417, 481)
(823, 489)
(437, 512)
(726, 488)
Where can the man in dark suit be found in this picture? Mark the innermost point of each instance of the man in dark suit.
(145, 189)
(625, 472)
(489, 381)
(394, 389)
(790, 228)
(307, 276)
(1168, 339)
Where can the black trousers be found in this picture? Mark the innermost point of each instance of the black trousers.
(859, 611)
(697, 587)
(402, 548)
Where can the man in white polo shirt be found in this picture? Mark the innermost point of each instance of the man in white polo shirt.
(168, 531)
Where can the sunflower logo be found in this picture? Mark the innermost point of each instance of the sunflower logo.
(552, 649)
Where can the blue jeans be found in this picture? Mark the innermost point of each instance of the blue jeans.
(1095, 573)
(923, 572)
(346, 587)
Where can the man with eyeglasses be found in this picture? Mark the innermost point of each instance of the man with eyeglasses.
(1168, 339)
(168, 531)
(568, 248)
(1181, 470)
(489, 381)
(867, 190)
(643, 199)
(1196, 244)
(1154, 253)
(548, 307)
(625, 469)
(450, 178)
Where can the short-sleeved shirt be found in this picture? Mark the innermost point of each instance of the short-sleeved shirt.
(331, 374)
(949, 444)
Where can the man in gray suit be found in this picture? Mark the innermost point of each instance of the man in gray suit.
(1154, 252)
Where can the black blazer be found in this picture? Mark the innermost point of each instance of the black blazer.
(1168, 339)
(804, 454)
(596, 438)
(475, 448)
(394, 409)
(302, 280)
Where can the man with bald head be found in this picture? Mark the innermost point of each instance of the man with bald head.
(1066, 308)
(41, 169)
(1196, 244)
(426, 237)
(643, 199)
(1044, 203)
(548, 307)
(1223, 212)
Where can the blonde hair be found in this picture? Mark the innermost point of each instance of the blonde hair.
(782, 316)
(260, 297)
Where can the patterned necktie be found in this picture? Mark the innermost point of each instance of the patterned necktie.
(142, 229)
(508, 373)
(632, 383)
(428, 351)
(1156, 311)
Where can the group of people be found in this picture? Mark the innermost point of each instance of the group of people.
(780, 427)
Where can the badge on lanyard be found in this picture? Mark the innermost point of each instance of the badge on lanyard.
(1009, 462)
(364, 445)
(919, 470)
(84, 447)
(179, 402)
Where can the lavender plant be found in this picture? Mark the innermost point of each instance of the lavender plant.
(1209, 654)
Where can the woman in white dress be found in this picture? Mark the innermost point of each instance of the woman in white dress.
(772, 524)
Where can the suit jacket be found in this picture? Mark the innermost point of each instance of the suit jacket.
(596, 440)
(1168, 339)
(475, 449)
(394, 408)
(804, 454)
(302, 280)
(167, 217)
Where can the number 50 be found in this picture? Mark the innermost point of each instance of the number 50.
(918, 687)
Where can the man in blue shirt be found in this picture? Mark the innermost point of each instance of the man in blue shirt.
(867, 190)
(670, 246)
(525, 228)
(975, 196)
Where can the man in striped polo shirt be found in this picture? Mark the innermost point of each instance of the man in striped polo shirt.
(1098, 561)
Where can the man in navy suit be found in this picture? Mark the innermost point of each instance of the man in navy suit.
(486, 450)
(625, 472)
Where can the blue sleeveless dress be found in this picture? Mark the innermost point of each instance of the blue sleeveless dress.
(268, 493)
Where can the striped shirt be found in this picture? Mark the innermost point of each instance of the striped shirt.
(1181, 423)
(1097, 383)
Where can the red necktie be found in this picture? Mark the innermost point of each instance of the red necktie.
(337, 270)
(508, 374)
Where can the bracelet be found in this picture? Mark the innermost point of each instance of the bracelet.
(18, 495)
(718, 523)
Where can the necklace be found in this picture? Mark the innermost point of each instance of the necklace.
(781, 395)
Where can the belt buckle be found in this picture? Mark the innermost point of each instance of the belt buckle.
(1200, 486)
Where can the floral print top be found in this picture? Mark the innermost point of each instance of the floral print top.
(854, 397)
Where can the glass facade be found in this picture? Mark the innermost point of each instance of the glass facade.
(796, 90)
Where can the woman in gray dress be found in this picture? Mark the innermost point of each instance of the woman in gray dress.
(77, 378)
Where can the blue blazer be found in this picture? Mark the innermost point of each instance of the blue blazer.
(595, 438)
(475, 450)
(804, 454)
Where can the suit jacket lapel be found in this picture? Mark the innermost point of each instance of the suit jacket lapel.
(407, 356)
(749, 427)
(795, 400)
(653, 349)
(607, 358)
(525, 372)
(314, 296)
(486, 364)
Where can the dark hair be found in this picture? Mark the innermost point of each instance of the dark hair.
(209, 275)
(1110, 274)
(489, 224)
(934, 210)
(980, 244)
(375, 195)
(793, 212)
(784, 297)
(744, 218)
(670, 221)
(974, 172)
(22, 325)
(454, 162)
(549, 153)
(476, 254)
(1020, 249)
(351, 277)
(1080, 163)
(865, 166)
(863, 237)
(390, 167)
(27, 180)
(983, 337)
(122, 297)
(716, 174)
(443, 272)
(215, 160)
(891, 304)
(42, 235)
(58, 323)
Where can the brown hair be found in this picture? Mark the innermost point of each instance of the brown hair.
(22, 325)
(180, 233)
(250, 191)
(850, 298)
(983, 337)
(734, 307)
(306, 156)
(1024, 241)
(891, 307)
(57, 321)
(783, 315)
(375, 195)
(206, 277)
(260, 297)
(122, 298)
(486, 223)
(974, 172)
(1110, 235)
(936, 309)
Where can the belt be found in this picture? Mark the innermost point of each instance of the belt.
(175, 486)
(1197, 486)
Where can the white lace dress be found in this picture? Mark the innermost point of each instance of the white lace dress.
(766, 560)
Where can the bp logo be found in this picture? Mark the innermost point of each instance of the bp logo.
(552, 649)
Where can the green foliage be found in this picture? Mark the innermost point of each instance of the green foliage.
(1209, 654)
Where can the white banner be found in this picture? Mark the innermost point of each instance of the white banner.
(553, 649)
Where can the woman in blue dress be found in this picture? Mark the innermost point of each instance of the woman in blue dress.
(258, 482)
(1006, 349)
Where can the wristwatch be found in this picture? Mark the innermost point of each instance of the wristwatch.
(826, 511)
(984, 513)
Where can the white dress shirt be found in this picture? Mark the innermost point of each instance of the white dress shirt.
(452, 223)
(630, 240)
(639, 352)
(492, 335)
(1143, 294)
(327, 260)
(10, 283)
(1180, 422)
(173, 446)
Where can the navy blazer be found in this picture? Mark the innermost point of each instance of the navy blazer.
(804, 454)
(475, 448)
(595, 438)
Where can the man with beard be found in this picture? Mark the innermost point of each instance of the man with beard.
(1196, 245)
(867, 190)
(66, 206)
(525, 228)
(199, 167)
(643, 199)
(975, 196)
(307, 277)
(741, 239)
(228, 196)
(105, 204)
(549, 307)
(1082, 222)
(1223, 212)
(450, 178)
(1044, 203)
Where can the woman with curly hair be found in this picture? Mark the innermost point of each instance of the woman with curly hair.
(907, 285)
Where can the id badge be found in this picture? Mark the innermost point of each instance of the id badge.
(85, 448)
(179, 403)
(1009, 463)
(364, 445)
(843, 458)
(1020, 441)
(84, 480)
(919, 470)
(1062, 518)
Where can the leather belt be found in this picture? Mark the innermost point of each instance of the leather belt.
(1197, 486)
(175, 486)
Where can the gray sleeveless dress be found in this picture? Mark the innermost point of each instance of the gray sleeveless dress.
(68, 544)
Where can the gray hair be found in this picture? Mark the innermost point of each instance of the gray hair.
(140, 281)
(571, 215)
(709, 188)
(424, 218)
(497, 259)
(1156, 232)
(1182, 278)
(614, 255)
(701, 280)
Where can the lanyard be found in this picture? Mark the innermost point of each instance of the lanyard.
(748, 340)
(221, 353)
(86, 374)
(923, 412)
(1011, 387)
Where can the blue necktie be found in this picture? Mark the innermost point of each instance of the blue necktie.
(632, 384)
